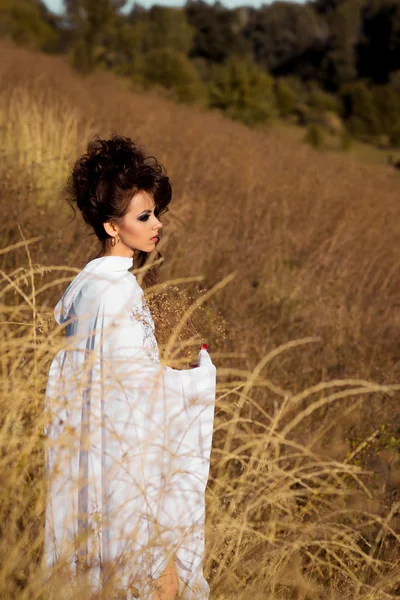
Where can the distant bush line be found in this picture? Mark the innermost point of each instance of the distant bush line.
(332, 65)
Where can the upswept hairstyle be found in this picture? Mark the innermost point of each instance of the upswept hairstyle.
(104, 180)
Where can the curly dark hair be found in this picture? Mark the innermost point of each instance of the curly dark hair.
(103, 181)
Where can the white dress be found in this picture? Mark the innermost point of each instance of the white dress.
(128, 444)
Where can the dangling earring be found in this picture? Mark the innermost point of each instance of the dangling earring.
(114, 240)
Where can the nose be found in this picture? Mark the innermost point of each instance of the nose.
(158, 225)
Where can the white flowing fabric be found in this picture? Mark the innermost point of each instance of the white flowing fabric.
(129, 442)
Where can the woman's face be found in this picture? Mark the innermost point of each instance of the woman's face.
(138, 228)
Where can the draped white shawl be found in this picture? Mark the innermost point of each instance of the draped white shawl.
(128, 447)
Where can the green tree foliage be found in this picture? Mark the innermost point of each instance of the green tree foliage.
(283, 34)
(387, 102)
(346, 141)
(322, 101)
(217, 31)
(142, 31)
(169, 28)
(29, 23)
(286, 97)
(129, 44)
(95, 26)
(372, 111)
(127, 47)
(314, 136)
(174, 71)
(243, 90)
(340, 61)
(360, 109)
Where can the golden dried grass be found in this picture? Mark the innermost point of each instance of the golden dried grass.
(302, 499)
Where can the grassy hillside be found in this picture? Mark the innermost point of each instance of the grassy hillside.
(360, 152)
(303, 499)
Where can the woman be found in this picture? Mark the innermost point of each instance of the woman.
(129, 441)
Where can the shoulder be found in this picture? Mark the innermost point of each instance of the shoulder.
(112, 291)
(109, 285)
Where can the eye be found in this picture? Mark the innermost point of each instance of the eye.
(144, 218)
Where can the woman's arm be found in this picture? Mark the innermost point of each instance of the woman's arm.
(121, 345)
(158, 419)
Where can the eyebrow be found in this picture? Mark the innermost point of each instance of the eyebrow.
(144, 211)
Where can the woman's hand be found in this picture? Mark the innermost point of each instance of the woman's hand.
(204, 357)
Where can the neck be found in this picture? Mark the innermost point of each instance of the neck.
(109, 250)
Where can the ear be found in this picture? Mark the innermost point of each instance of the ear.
(111, 228)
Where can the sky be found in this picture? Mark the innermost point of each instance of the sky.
(57, 5)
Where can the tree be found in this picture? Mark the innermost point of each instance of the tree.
(217, 31)
(140, 31)
(94, 23)
(286, 97)
(387, 102)
(360, 110)
(322, 101)
(243, 90)
(314, 136)
(129, 45)
(29, 23)
(340, 62)
(169, 28)
(173, 71)
(283, 35)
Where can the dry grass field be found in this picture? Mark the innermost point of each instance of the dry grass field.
(299, 254)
